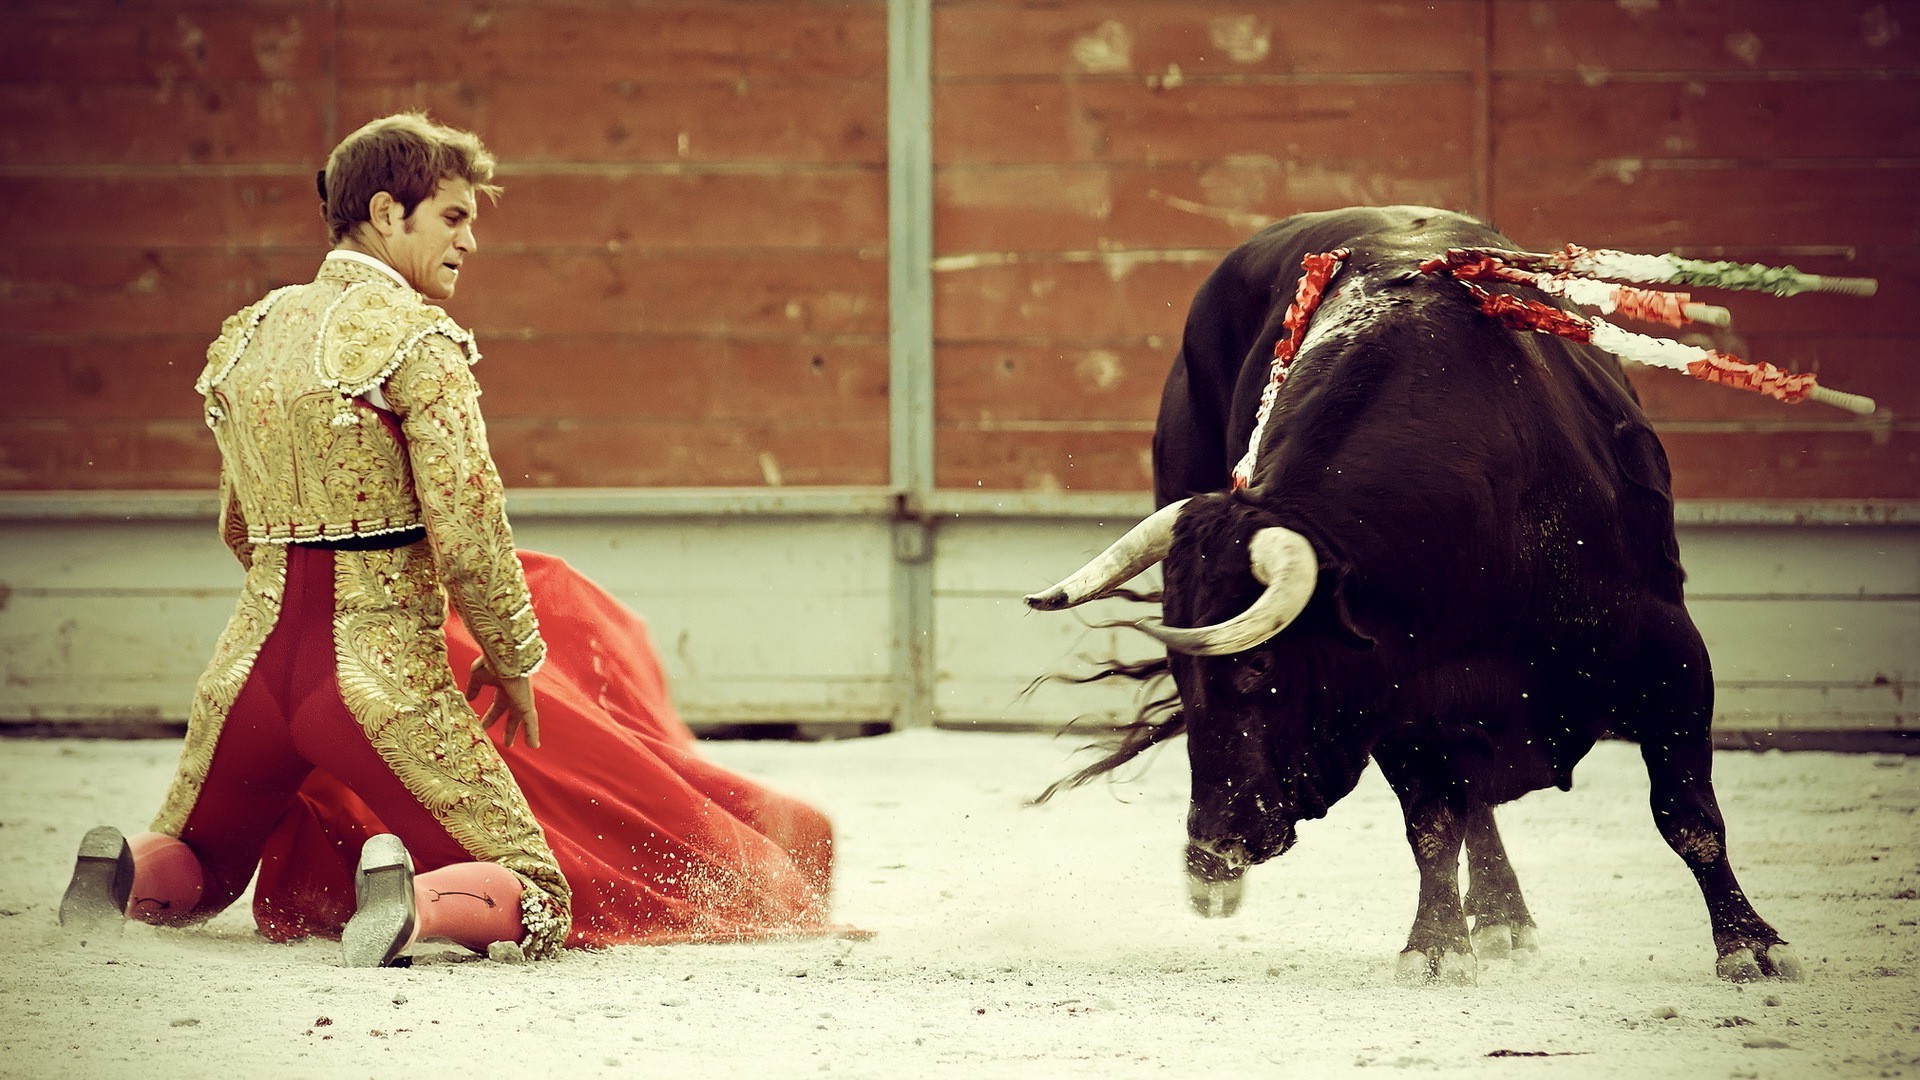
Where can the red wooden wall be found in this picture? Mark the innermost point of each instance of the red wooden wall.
(686, 281)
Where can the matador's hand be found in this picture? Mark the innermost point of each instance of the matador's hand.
(513, 699)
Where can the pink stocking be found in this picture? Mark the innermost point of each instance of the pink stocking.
(471, 904)
(167, 880)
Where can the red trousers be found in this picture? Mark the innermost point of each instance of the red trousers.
(289, 720)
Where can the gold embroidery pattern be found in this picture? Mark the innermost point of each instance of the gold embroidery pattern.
(310, 462)
(253, 619)
(464, 504)
(394, 678)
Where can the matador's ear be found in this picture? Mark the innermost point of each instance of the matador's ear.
(320, 182)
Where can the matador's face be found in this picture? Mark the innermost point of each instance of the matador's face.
(436, 239)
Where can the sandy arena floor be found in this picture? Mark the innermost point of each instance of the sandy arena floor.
(1014, 941)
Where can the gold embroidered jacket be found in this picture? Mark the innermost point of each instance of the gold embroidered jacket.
(301, 459)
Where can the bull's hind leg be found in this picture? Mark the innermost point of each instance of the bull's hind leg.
(1672, 723)
(1501, 923)
(1689, 818)
(1437, 949)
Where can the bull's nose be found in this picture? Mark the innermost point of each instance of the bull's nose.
(1214, 860)
(1216, 877)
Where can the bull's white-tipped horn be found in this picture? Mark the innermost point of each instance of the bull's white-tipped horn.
(1284, 562)
(1144, 545)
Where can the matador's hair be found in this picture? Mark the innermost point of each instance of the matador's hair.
(405, 155)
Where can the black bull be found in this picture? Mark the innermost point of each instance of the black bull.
(1457, 557)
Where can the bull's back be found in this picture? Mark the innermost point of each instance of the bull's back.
(1213, 391)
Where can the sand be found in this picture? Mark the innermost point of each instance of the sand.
(1054, 941)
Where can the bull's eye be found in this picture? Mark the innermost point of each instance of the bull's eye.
(1251, 669)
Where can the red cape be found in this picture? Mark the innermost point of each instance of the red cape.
(658, 844)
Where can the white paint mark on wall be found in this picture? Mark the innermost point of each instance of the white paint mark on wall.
(769, 468)
(1099, 369)
(193, 42)
(275, 48)
(1626, 170)
(1088, 192)
(1108, 48)
(1878, 27)
(1241, 181)
(1243, 38)
(1241, 219)
(1745, 46)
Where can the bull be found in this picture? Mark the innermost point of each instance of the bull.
(1453, 555)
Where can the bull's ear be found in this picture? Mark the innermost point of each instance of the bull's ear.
(1333, 577)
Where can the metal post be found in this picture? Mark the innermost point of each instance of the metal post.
(910, 349)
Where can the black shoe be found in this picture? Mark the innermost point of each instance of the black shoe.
(96, 897)
(382, 923)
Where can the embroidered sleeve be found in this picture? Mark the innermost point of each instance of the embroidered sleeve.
(464, 504)
(233, 521)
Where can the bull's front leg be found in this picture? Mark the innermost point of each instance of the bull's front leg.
(1502, 925)
(1438, 949)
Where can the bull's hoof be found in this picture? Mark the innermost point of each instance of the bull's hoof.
(1051, 600)
(1436, 967)
(1752, 963)
(1215, 899)
(1505, 941)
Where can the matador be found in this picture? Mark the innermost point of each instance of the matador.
(359, 495)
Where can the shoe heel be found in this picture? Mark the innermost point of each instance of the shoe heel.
(383, 921)
(97, 894)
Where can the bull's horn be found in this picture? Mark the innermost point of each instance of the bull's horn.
(1284, 562)
(1145, 544)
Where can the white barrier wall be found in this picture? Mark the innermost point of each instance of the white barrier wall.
(784, 612)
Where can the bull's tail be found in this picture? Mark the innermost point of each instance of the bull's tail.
(1158, 720)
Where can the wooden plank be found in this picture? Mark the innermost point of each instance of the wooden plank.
(615, 376)
(1120, 299)
(985, 383)
(1012, 123)
(53, 455)
(1043, 459)
(1562, 119)
(672, 40)
(184, 560)
(1095, 207)
(158, 291)
(776, 293)
(1701, 36)
(1823, 642)
(843, 210)
(600, 375)
(162, 43)
(1774, 708)
(1748, 563)
(840, 209)
(693, 453)
(1793, 465)
(1655, 206)
(976, 39)
(158, 212)
(143, 378)
(771, 118)
(195, 122)
(58, 292)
